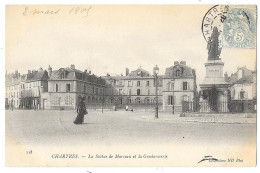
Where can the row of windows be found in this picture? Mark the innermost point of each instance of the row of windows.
(138, 92)
(130, 83)
(12, 94)
(85, 90)
(184, 87)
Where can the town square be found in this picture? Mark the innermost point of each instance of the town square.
(131, 86)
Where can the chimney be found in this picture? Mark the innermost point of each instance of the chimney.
(16, 73)
(49, 71)
(176, 63)
(183, 62)
(126, 71)
(86, 71)
(89, 71)
(29, 71)
(72, 66)
(108, 74)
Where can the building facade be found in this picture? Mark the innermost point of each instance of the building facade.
(61, 89)
(242, 90)
(136, 89)
(24, 91)
(67, 84)
(179, 84)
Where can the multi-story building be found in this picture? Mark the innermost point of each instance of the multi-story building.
(135, 89)
(242, 84)
(33, 85)
(242, 90)
(25, 90)
(67, 84)
(12, 89)
(60, 89)
(179, 84)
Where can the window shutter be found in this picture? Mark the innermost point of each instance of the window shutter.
(182, 83)
(188, 85)
(238, 95)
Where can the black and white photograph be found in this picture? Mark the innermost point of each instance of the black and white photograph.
(130, 85)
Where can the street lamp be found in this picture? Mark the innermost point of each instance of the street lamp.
(156, 71)
(172, 98)
(12, 103)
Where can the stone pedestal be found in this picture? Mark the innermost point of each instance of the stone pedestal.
(215, 78)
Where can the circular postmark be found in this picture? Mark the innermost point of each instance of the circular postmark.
(239, 28)
(214, 17)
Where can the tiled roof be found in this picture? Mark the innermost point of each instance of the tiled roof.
(11, 79)
(139, 73)
(74, 74)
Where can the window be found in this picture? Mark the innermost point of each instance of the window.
(148, 91)
(56, 87)
(169, 100)
(93, 90)
(96, 90)
(185, 98)
(62, 75)
(138, 83)
(129, 83)
(178, 73)
(67, 87)
(242, 94)
(137, 100)
(138, 92)
(120, 91)
(147, 83)
(129, 100)
(121, 101)
(85, 88)
(185, 84)
(120, 83)
(172, 86)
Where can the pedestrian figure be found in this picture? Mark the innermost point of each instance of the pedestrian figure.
(81, 110)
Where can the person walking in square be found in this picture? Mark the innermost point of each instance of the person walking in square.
(81, 110)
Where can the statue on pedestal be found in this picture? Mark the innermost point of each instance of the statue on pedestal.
(213, 45)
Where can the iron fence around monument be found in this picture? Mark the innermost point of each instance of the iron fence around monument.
(233, 106)
(204, 107)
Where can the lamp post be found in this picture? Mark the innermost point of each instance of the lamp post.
(156, 71)
(12, 103)
(172, 98)
(103, 98)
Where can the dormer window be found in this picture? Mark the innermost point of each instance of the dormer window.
(62, 76)
(178, 73)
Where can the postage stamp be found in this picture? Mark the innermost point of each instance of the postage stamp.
(239, 28)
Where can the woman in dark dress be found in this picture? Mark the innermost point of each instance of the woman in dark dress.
(81, 110)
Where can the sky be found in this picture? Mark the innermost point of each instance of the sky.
(108, 39)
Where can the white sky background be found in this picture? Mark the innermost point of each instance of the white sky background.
(112, 38)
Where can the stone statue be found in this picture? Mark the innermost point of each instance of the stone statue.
(213, 45)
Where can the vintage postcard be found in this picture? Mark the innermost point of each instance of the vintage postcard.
(130, 85)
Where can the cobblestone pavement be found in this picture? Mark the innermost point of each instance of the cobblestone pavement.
(112, 127)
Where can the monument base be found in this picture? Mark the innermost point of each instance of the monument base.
(214, 80)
